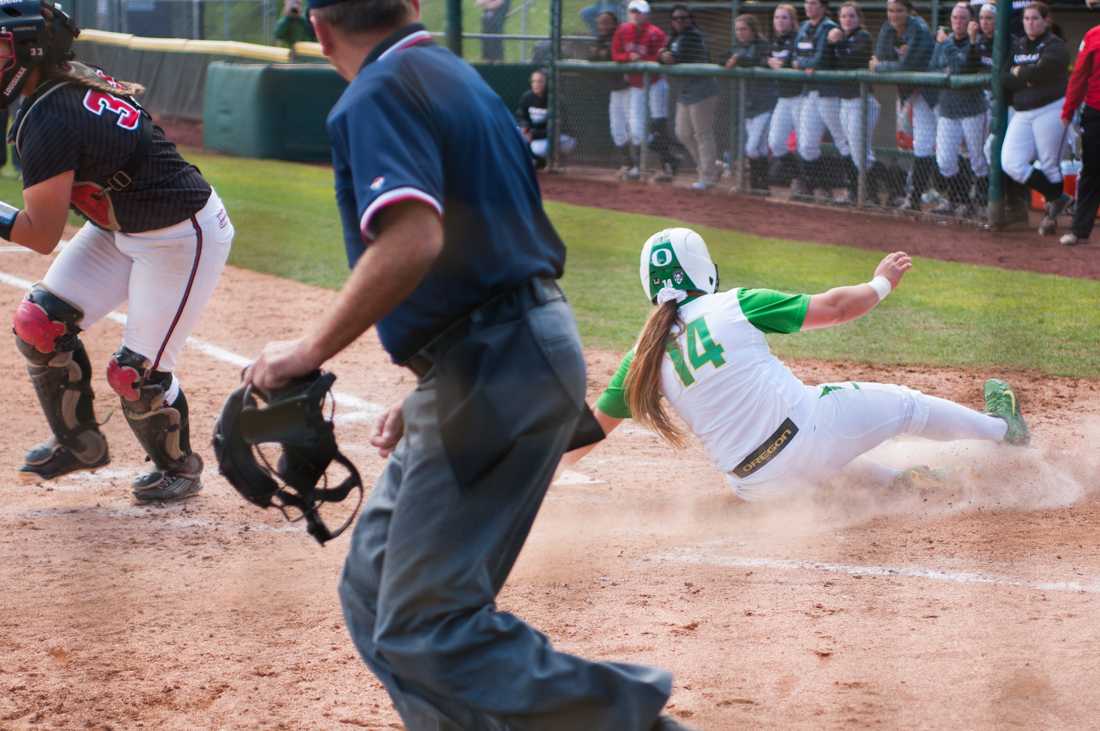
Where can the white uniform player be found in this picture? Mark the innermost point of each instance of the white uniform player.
(761, 426)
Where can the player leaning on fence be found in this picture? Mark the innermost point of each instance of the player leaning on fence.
(784, 119)
(850, 46)
(905, 44)
(750, 50)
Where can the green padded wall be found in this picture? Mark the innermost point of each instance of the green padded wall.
(278, 110)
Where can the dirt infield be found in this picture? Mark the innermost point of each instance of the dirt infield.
(1014, 249)
(960, 606)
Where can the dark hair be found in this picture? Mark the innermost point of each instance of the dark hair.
(854, 6)
(751, 22)
(608, 12)
(907, 3)
(1042, 8)
(643, 380)
(363, 16)
(685, 8)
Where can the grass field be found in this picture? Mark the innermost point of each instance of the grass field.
(945, 314)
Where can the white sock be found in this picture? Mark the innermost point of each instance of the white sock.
(173, 391)
(948, 421)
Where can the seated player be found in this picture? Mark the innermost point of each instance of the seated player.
(704, 353)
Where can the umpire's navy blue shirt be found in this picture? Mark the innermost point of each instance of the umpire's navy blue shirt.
(417, 123)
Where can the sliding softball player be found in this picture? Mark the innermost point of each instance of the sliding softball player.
(157, 236)
(703, 352)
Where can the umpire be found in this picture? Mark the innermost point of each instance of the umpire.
(455, 261)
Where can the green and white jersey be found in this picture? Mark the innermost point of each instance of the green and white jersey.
(720, 375)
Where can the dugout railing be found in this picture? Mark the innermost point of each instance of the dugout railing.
(902, 139)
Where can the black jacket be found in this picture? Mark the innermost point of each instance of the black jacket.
(1044, 71)
(812, 52)
(954, 57)
(533, 114)
(689, 47)
(759, 93)
(783, 48)
(601, 51)
(852, 53)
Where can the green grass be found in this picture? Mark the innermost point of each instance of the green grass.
(945, 314)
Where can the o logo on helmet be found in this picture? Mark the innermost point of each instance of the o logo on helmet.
(661, 257)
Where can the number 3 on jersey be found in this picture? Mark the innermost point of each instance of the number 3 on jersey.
(701, 349)
(97, 102)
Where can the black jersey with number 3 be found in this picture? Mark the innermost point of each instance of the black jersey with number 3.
(68, 126)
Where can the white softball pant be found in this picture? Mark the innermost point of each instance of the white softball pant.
(566, 145)
(756, 135)
(950, 135)
(1035, 134)
(815, 114)
(784, 120)
(924, 126)
(841, 421)
(849, 117)
(658, 108)
(988, 148)
(618, 112)
(166, 275)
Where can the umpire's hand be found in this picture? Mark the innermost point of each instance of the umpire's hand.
(388, 431)
(279, 362)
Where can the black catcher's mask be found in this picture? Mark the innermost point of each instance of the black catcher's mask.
(294, 418)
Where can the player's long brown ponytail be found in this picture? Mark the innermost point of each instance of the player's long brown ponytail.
(643, 381)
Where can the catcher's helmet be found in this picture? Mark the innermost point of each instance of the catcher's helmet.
(293, 418)
(677, 258)
(33, 33)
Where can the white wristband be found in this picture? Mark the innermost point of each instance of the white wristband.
(882, 287)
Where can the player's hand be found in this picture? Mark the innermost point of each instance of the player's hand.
(388, 431)
(873, 63)
(1015, 71)
(733, 62)
(893, 267)
(941, 35)
(278, 363)
(667, 57)
(836, 35)
(902, 50)
(635, 56)
(972, 30)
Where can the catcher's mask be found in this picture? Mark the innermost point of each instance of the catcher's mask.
(33, 34)
(294, 418)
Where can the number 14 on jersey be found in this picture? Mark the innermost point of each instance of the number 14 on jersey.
(701, 349)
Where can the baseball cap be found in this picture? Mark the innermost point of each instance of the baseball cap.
(640, 6)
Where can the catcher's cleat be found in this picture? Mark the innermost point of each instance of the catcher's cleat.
(919, 477)
(51, 459)
(177, 483)
(1000, 401)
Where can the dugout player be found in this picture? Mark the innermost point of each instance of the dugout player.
(703, 352)
(784, 119)
(905, 44)
(850, 47)
(157, 237)
(1037, 80)
(455, 262)
(752, 50)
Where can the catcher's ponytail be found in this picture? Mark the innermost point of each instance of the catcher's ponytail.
(643, 381)
(92, 78)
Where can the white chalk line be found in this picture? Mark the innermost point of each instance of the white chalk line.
(363, 410)
(690, 556)
(14, 250)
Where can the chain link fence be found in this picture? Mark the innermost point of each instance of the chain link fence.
(892, 141)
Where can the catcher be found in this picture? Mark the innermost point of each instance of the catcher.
(157, 235)
(704, 352)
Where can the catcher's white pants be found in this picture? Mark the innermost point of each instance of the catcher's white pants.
(167, 276)
(566, 145)
(1035, 134)
(951, 133)
(618, 112)
(839, 422)
(924, 126)
(756, 135)
(784, 120)
(815, 114)
(849, 117)
(658, 108)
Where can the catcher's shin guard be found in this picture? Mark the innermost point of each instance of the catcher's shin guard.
(46, 333)
(163, 429)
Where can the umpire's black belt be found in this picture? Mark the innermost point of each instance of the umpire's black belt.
(500, 308)
(767, 451)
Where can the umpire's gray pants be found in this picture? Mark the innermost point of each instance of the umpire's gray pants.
(432, 549)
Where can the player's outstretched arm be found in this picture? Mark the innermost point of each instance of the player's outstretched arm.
(844, 304)
(41, 223)
(606, 422)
